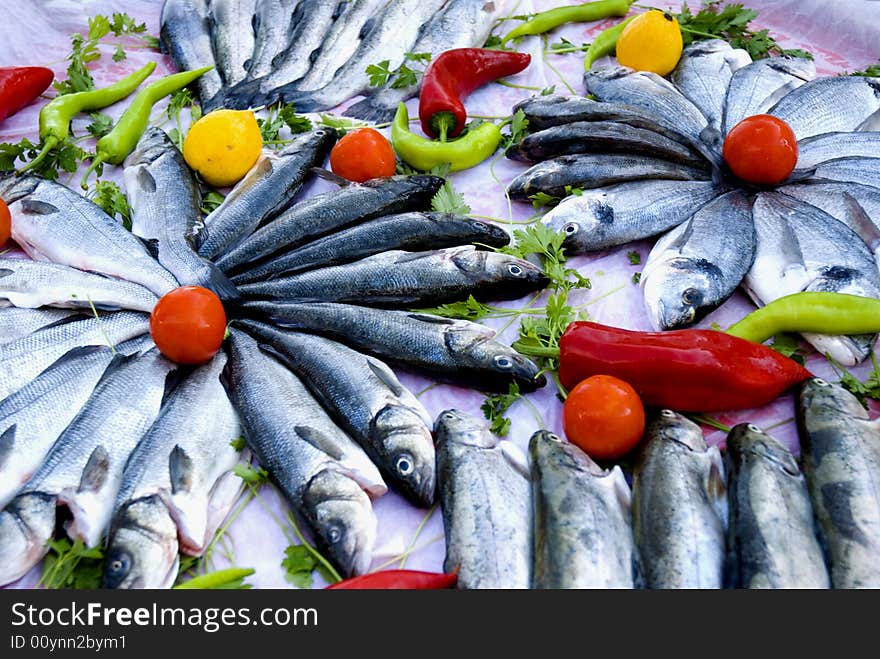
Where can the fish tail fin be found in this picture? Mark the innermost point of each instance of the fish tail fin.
(370, 109)
(218, 282)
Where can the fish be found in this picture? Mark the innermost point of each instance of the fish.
(694, 268)
(454, 350)
(757, 87)
(586, 171)
(16, 323)
(801, 248)
(771, 538)
(485, 497)
(829, 105)
(600, 137)
(821, 148)
(703, 75)
(157, 179)
(330, 211)
(186, 36)
(51, 222)
(265, 190)
(272, 23)
(32, 418)
(842, 466)
(390, 37)
(406, 279)
(412, 231)
(25, 358)
(33, 284)
(325, 476)
(619, 214)
(679, 506)
(367, 400)
(232, 37)
(83, 469)
(459, 24)
(865, 171)
(583, 519)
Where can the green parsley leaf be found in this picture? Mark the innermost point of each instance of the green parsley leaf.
(249, 475)
(447, 200)
(637, 277)
(182, 98)
(547, 91)
(379, 73)
(519, 128)
(297, 123)
(495, 407)
(210, 201)
(787, 344)
(72, 565)
(109, 196)
(634, 258)
(119, 53)
(542, 199)
(494, 42)
(238, 444)
(151, 41)
(299, 564)
(872, 71)
(404, 77)
(419, 58)
(576, 192)
(100, 126)
(469, 309)
(341, 124)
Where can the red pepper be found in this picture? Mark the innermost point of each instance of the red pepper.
(686, 370)
(454, 75)
(398, 580)
(20, 85)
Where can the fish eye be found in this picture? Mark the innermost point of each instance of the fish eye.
(669, 414)
(753, 428)
(449, 416)
(571, 228)
(691, 296)
(404, 465)
(334, 534)
(820, 382)
(120, 564)
(554, 438)
(515, 269)
(503, 362)
(480, 226)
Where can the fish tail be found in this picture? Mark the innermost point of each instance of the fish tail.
(370, 109)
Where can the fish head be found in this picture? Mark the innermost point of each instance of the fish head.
(680, 292)
(153, 144)
(498, 364)
(460, 427)
(406, 451)
(342, 520)
(486, 233)
(26, 526)
(550, 451)
(817, 393)
(673, 428)
(13, 188)
(584, 221)
(142, 552)
(510, 272)
(747, 442)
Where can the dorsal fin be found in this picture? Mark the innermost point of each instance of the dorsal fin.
(7, 444)
(387, 378)
(37, 207)
(319, 440)
(180, 467)
(95, 473)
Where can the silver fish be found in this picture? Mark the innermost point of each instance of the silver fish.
(456, 350)
(486, 503)
(801, 248)
(679, 506)
(619, 214)
(829, 105)
(365, 397)
(406, 279)
(272, 20)
(232, 37)
(459, 24)
(165, 204)
(586, 171)
(53, 223)
(757, 87)
(771, 537)
(318, 467)
(33, 284)
(17, 323)
(186, 36)
(842, 466)
(703, 75)
(583, 521)
(695, 267)
(818, 149)
(266, 189)
(865, 171)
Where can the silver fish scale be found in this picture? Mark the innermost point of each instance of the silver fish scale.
(818, 149)
(828, 105)
(186, 36)
(272, 22)
(16, 323)
(232, 37)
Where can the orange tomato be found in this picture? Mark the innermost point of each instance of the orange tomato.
(604, 416)
(188, 325)
(363, 154)
(761, 149)
(5, 223)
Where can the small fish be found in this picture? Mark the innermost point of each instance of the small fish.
(865, 171)
(408, 231)
(485, 498)
(619, 214)
(771, 537)
(695, 267)
(406, 279)
(32, 284)
(585, 171)
(324, 213)
(232, 37)
(272, 19)
(818, 149)
(264, 191)
(455, 350)
(583, 521)
(841, 454)
(16, 323)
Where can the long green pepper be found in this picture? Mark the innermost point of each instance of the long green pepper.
(605, 43)
(56, 115)
(553, 18)
(115, 146)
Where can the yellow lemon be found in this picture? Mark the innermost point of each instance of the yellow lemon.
(651, 42)
(223, 145)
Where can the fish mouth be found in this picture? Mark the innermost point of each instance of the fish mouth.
(26, 526)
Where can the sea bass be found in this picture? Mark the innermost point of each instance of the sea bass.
(16, 323)
(232, 37)
(272, 23)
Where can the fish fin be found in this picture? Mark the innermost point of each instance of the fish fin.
(370, 110)
(514, 457)
(74, 354)
(871, 124)
(683, 236)
(218, 282)
(95, 473)
(5, 272)
(860, 221)
(366, 28)
(319, 440)
(173, 379)
(180, 467)
(621, 489)
(145, 179)
(117, 362)
(79, 315)
(189, 510)
(329, 176)
(7, 444)
(340, 9)
(386, 377)
(715, 484)
(36, 207)
(151, 245)
(427, 318)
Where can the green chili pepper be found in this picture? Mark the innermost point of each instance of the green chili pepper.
(823, 313)
(473, 148)
(218, 579)
(553, 18)
(605, 43)
(56, 115)
(119, 142)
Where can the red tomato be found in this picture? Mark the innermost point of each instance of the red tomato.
(761, 149)
(363, 154)
(5, 223)
(604, 416)
(188, 325)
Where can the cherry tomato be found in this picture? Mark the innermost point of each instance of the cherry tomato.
(5, 223)
(761, 149)
(604, 416)
(188, 325)
(363, 154)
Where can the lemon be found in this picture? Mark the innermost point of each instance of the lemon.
(651, 42)
(223, 145)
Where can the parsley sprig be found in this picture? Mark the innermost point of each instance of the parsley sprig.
(403, 76)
